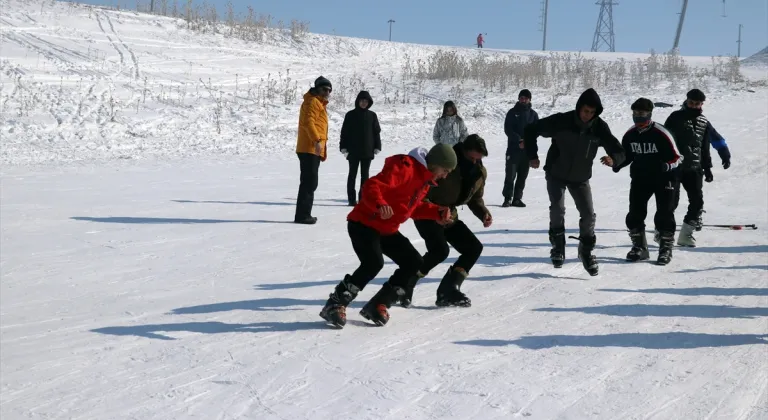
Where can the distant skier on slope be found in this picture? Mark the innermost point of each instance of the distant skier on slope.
(463, 186)
(654, 160)
(311, 146)
(449, 128)
(360, 142)
(388, 199)
(693, 133)
(576, 135)
(517, 164)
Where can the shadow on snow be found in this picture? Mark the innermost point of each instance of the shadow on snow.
(167, 220)
(688, 311)
(699, 291)
(154, 330)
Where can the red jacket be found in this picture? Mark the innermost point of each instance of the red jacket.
(402, 184)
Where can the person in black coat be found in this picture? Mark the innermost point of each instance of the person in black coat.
(360, 142)
(516, 168)
(654, 160)
(576, 135)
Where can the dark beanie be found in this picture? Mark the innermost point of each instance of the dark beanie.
(476, 143)
(525, 93)
(696, 95)
(643, 104)
(323, 82)
(442, 155)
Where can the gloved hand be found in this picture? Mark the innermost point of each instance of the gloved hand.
(708, 175)
(376, 152)
(726, 163)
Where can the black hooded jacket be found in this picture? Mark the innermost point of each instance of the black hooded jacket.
(360, 132)
(574, 143)
(514, 127)
(691, 131)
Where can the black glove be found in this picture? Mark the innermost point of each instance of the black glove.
(708, 175)
(726, 163)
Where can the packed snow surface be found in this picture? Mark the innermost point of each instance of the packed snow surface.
(150, 269)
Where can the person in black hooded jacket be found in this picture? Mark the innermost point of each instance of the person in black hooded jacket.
(360, 142)
(576, 135)
(516, 167)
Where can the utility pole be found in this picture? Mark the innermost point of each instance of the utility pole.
(738, 54)
(152, 6)
(680, 25)
(390, 28)
(604, 30)
(543, 28)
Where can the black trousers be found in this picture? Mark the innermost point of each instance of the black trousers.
(310, 166)
(515, 173)
(581, 193)
(692, 181)
(371, 246)
(437, 238)
(365, 166)
(639, 194)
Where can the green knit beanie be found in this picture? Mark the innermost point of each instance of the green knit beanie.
(442, 155)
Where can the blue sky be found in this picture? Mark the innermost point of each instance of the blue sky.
(640, 25)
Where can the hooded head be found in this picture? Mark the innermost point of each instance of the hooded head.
(448, 105)
(589, 106)
(364, 95)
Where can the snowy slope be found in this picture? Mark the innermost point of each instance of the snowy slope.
(171, 285)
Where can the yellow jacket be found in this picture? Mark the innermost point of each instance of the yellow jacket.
(313, 125)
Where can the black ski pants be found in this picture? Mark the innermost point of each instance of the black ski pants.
(582, 197)
(640, 191)
(692, 181)
(309, 165)
(437, 238)
(365, 166)
(515, 173)
(371, 246)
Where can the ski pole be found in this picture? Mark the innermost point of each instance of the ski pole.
(733, 227)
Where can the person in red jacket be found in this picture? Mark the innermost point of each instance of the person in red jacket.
(387, 200)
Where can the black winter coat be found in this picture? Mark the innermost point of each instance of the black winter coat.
(691, 131)
(360, 132)
(652, 152)
(574, 143)
(518, 117)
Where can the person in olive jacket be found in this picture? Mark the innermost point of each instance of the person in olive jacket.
(576, 135)
(465, 185)
(360, 142)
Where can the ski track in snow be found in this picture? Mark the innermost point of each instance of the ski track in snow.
(172, 285)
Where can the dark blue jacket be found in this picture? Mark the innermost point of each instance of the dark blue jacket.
(514, 126)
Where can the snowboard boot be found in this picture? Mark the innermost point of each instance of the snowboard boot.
(405, 294)
(639, 251)
(449, 292)
(376, 310)
(557, 239)
(686, 235)
(586, 246)
(335, 309)
(666, 242)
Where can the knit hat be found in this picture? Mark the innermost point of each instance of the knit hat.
(643, 104)
(442, 155)
(323, 82)
(525, 93)
(696, 95)
(476, 143)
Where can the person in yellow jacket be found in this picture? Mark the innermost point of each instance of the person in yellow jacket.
(311, 146)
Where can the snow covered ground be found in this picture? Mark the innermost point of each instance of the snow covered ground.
(156, 275)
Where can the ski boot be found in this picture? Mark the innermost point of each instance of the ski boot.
(335, 309)
(686, 235)
(376, 310)
(639, 251)
(666, 242)
(405, 294)
(586, 246)
(557, 239)
(449, 292)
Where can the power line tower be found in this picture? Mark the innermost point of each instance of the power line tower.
(543, 23)
(604, 36)
(738, 53)
(676, 45)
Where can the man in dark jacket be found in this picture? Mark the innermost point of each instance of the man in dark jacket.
(360, 141)
(465, 185)
(516, 168)
(693, 132)
(576, 135)
(654, 160)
